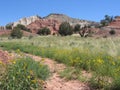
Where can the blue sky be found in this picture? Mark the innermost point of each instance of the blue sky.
(13, 10)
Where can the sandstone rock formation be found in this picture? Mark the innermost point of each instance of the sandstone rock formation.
(52, 21)
(65, 18)
(105, 31)
(2, 27)
(26, 21)
(52, 24)
(115, 24)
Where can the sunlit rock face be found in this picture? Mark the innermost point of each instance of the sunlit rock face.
(26, 21)
(115, 24)
(52, 24)
(65, 18)
(52, 21)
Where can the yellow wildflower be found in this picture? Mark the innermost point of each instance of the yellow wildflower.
(43, 59)
(18, 50)
(100, 61)
(34, 81)
(25, 65)
(31, 72)
(14, 62)
(1, 62)
(28, 77)
(113, 63)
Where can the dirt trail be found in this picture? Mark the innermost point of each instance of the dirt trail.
(5, 56)
(55, 82)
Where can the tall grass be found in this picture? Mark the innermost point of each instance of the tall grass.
(23, 74)
(100, 56)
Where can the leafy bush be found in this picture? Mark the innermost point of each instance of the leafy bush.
(22, 27)
(44, 31)
(65, 29)
(112, 32)
(108, 19)
(23, 74)
(16, 33)
(116, 84)
(30, 37)
(77, 28)
(9, 26)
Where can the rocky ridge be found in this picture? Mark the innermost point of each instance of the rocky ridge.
(27, 20)
(65, 18)
(115, 24)
(53, 16)
(52, 24)
(53, 21)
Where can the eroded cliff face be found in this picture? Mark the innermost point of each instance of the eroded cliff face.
(52, 24)
(58, 17)
(2, 28)
(65, 18)
(115, 24)
(52, 21)
(26, 21)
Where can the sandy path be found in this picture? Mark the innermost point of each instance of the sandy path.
(55, 82)
(5, 56)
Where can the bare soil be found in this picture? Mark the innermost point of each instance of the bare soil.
(5, 56)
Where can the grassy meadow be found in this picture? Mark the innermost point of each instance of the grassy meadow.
(100, 57)
(23, 74)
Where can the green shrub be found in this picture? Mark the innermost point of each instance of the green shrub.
(65, 29)
(30, 37)
(22, 27)
(16, 33)
(9, 26)
(112, 32)
(77, 28)
(108, 19)
(44, 31)
(23, 74)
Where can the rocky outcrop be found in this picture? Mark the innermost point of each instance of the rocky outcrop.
(2, 28)
(115, 24)
(105, 31)
(53, 21)
(52, 24)
(26, 21)
(65, 18)
(59, 17)
(5, 32)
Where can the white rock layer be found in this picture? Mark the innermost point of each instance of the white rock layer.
(26, 21)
